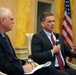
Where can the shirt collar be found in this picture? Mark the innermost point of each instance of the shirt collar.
(3, 35)
(47, 33)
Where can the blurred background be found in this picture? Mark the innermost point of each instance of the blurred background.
(26, 16)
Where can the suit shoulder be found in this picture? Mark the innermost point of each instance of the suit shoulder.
(40, 34)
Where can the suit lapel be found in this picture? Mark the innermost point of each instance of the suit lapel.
(46, 39)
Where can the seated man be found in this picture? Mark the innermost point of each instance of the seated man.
(49, 46)
(9, 63)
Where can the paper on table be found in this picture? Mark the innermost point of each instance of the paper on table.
(39, 67)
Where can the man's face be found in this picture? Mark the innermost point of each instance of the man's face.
(8, 23)
(49, 23)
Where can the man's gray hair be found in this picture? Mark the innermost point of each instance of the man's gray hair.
(4, 12)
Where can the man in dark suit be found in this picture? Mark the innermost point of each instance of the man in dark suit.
(44, 49)
(9, 63)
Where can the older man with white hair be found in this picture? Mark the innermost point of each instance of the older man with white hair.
(9, 63)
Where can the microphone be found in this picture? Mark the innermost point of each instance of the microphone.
(57, 39)
(30, 59)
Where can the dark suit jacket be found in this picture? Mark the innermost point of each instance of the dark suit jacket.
(9, 64)
(41, 48)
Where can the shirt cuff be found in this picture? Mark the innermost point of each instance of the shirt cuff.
(23, 69)
(52, 53)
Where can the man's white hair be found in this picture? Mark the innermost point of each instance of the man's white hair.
(4, 12)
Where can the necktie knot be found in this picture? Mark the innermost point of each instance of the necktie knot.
(6, 39)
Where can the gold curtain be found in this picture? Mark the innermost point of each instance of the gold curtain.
(59, 12)
(23, 22)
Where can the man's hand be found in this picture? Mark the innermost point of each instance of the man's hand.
(28, 67)
(56, 48)
(73, 50)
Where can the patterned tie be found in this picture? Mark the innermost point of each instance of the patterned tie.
(7, 41)
(60, 62)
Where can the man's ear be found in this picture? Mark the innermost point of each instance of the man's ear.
(42, 24)
(2, 21)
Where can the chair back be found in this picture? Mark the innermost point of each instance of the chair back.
(29, 38)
